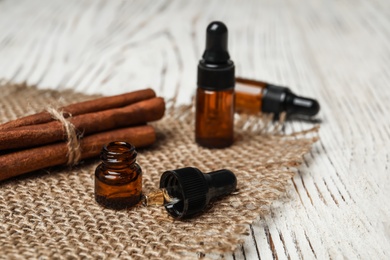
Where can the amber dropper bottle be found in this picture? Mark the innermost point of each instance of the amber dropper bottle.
(118, 179)
(214, 118)
(257, 96)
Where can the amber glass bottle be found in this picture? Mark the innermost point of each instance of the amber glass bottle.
(118, 179)
(249, 96)
(256, 96)
(214, 118)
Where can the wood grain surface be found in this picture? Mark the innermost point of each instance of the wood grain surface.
(337, 206)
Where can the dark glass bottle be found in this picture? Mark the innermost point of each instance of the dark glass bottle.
(214, 120)
(118, 179)
(256, 96)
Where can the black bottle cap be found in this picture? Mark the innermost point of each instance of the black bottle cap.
(216, 70)
(277, 99)
(195, 189)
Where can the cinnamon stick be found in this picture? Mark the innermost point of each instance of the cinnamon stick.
(17, 163)
(90, 106)
(34, 135)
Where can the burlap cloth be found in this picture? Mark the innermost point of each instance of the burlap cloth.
(52, 213)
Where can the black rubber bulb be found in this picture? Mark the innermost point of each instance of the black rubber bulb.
(216, 43)
(277, 99)
(194, 189)
(296, 105)
(215, 69)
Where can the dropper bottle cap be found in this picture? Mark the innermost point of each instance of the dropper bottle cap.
(215, 69)
(277, 99)
(193, 189)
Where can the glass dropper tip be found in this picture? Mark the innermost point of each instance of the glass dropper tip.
(159, 197)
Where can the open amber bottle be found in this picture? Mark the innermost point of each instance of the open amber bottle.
(118, 179)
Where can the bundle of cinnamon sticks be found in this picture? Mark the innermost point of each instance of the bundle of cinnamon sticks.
(38, 141)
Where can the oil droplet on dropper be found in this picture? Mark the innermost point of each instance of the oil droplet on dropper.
(159, 198)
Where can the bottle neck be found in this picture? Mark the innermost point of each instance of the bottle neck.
(118, 155)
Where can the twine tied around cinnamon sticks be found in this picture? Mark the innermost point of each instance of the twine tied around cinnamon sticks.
(35, 142)
(73, 144)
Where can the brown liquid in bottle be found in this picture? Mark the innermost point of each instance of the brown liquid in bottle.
(249, 95)
(118, 179)
(214, 118)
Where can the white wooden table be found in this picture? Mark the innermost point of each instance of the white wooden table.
(338, 52)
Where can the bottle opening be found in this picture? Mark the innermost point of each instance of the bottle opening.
(118, 153)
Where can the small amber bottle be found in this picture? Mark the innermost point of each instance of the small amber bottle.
(214, 118)
(256, 96)
(118, 179)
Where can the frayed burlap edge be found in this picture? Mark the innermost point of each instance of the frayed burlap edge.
(52, 213)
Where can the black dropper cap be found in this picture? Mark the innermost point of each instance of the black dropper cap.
(216, 70)
(277, 99)
(194, 189)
